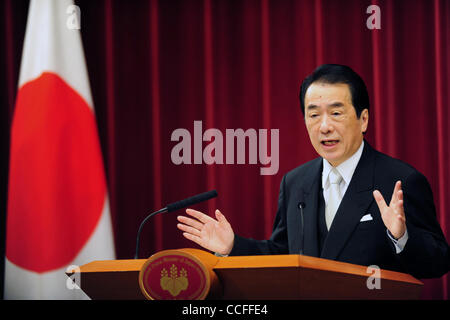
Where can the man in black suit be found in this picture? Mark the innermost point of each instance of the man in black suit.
(340, 196)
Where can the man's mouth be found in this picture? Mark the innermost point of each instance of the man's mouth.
(329, 142)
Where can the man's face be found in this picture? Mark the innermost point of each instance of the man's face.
(333, 127)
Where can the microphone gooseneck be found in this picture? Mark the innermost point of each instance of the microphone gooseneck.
(142, 225)
(301, 205)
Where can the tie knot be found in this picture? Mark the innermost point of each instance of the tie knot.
(335, 177)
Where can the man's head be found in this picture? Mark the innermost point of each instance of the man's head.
(335, 103)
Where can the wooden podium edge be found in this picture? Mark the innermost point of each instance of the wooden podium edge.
(221, 268)
(302, 261)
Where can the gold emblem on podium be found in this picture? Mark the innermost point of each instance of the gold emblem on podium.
(174, 283)
(174, 275)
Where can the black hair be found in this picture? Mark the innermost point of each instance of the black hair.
(336, 73)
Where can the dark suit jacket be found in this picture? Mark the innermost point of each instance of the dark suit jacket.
(426, 254)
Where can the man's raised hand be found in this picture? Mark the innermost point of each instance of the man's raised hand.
(393, 215)
(211, 234)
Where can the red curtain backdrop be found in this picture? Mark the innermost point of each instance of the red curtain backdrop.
(156, 66)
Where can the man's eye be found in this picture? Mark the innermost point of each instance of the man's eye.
(314, 115)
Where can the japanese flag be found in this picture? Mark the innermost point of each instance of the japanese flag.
(58, 212)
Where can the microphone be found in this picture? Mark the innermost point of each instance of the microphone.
(175, 206)
(301, 205)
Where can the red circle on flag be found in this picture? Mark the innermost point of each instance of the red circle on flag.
(57, 185)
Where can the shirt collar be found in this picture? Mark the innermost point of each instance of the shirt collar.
(345, 169)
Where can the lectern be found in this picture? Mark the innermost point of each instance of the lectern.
(197, 274)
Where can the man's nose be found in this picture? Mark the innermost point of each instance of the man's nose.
(326, 125)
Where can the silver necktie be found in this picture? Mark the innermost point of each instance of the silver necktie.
(334, 197)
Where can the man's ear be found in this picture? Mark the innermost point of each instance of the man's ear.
(364, 118)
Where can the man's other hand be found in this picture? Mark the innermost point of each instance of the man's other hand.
(393, 215)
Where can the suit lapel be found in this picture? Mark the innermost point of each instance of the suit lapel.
(357, 199)
(310, 187)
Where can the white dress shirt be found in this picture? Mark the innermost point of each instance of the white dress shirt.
(346, 170)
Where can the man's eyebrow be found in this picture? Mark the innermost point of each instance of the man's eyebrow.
(331, 105)
(336, 104)
(311, 107)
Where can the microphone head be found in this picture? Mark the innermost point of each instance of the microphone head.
(301, 204)
(192, 200)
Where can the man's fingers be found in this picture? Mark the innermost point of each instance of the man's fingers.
(380, 200)
(400, 209)
(199, 215)
(397, 188)
(190, 222)
(400, 195)
(220, 217)
(189, 229)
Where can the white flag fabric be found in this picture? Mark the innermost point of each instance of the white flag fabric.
(58, 210)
